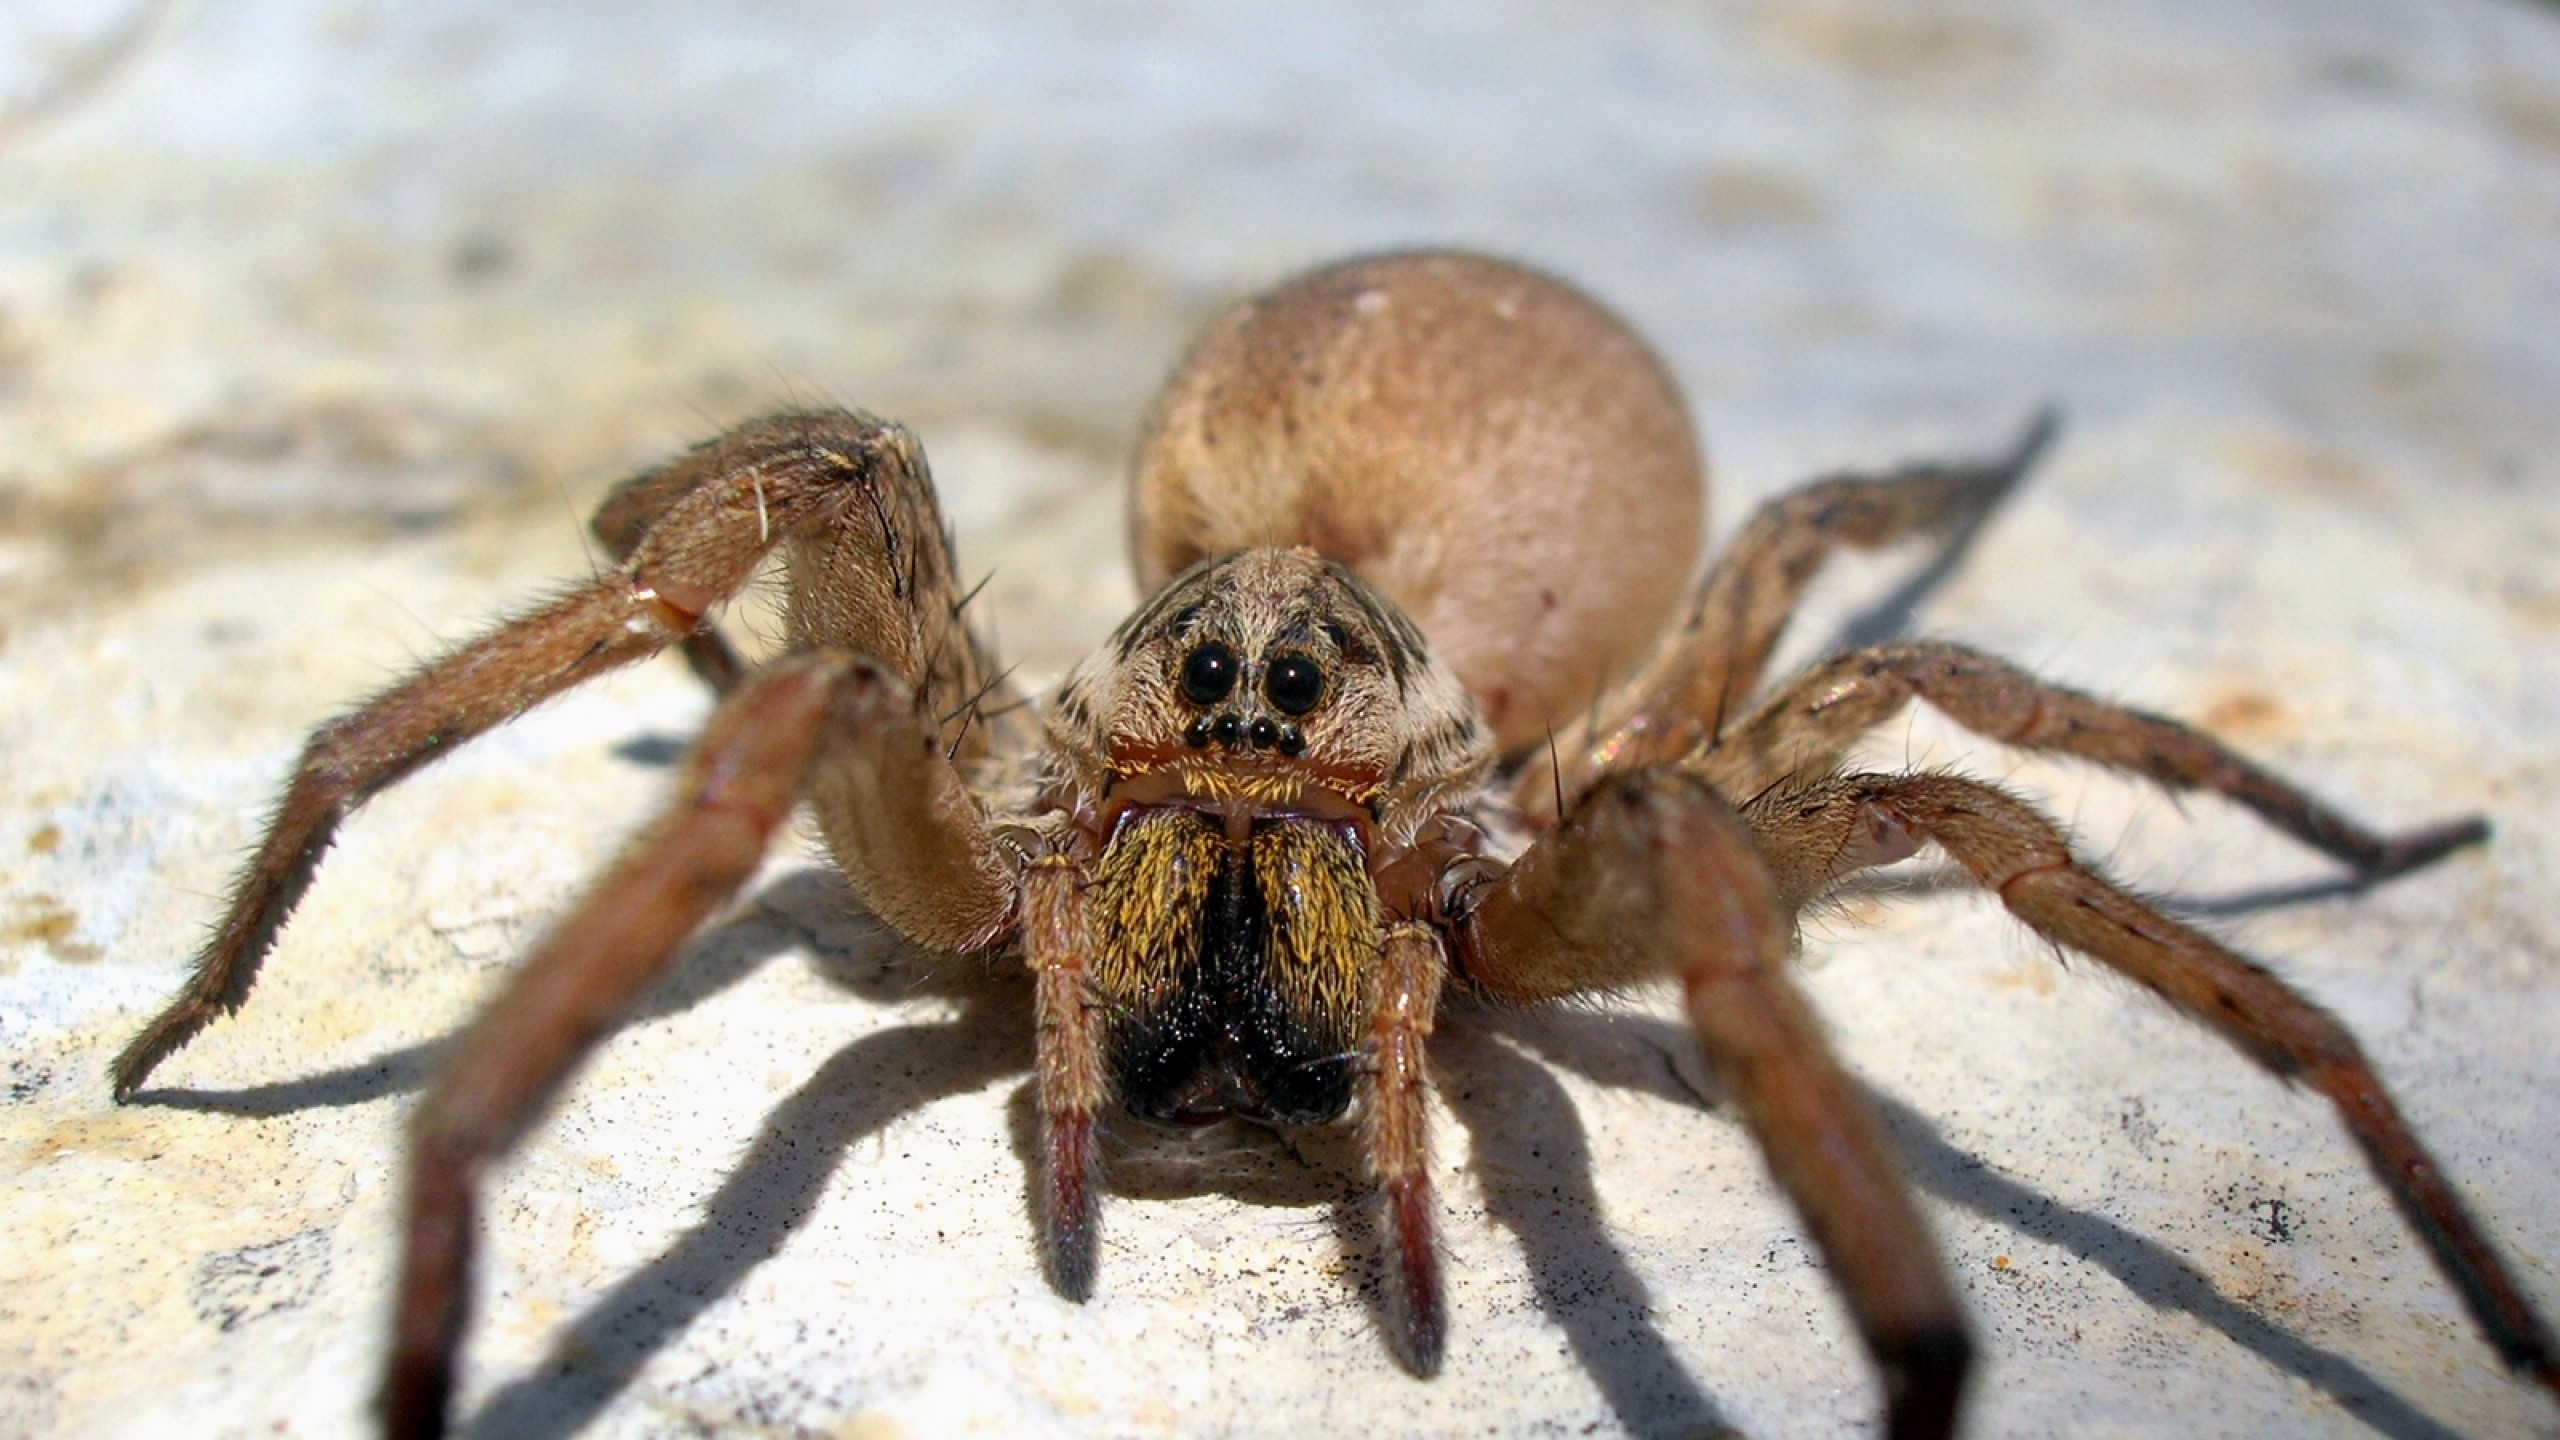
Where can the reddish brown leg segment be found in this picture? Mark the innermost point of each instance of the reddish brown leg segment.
(1653, 874)
(1709, 663)
(1806, 728)
(2023, 858)
(624, 519)
(1072, 1085)
(718, 511)
(1398, 1140)
(739, 785)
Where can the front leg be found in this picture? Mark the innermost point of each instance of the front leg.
(739, 785)
(1653, 875)
(723, 507)
(769, 744)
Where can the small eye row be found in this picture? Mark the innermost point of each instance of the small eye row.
(1229, 731)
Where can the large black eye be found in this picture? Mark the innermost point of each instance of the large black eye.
(1294, 684)
(1209, 674)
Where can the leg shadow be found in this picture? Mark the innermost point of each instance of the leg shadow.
(1891, 617)
(1920, 880)
(1599, 1046)
(2145, 1267)
(393, 1072)
(1534, 1164)
(775, 1188)
(807, 906)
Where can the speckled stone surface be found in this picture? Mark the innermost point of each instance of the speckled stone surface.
(321, 325)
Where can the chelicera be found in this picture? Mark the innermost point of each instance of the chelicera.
(1425, 700)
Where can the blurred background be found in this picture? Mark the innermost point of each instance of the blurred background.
(323, 323)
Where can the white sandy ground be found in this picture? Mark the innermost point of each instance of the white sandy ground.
(321, 325)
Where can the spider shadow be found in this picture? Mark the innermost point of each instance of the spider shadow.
(779, 1183)
(1525, 1128)
(1534, 1167)
(1917, 881)
(864, 1087)
(868, 1085)
(1610, 1049)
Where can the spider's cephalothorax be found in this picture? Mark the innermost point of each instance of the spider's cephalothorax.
(1259, 736)
(1402, 715)
(1275, 679)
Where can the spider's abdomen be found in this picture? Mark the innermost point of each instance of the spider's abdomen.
(1237, 974)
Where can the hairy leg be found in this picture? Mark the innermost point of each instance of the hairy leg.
(1817, 835)
(625, 519)
(1651, 874)
(721, 508)
(1805, 728)
(1397, 1137)
(1072, 1086)
(739, 785)
(883, 583)
(1711, 661)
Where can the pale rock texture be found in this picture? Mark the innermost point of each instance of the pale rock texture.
(321, 325)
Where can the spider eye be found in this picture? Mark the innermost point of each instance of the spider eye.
(1209, 674)
(1295, 683)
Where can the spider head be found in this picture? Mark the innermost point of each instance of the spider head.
(1274, 679)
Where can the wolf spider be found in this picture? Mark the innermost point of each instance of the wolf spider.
(1256, 837)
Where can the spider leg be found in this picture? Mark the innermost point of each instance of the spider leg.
(1652, 874)
(625, 519)
(1710, 661)
(1397, 1138)
(1069, 1019)
(740, 784)
(1806, 728)
(1817, 835)
(836, 484)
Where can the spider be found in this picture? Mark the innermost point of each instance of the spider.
(1402, 519)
